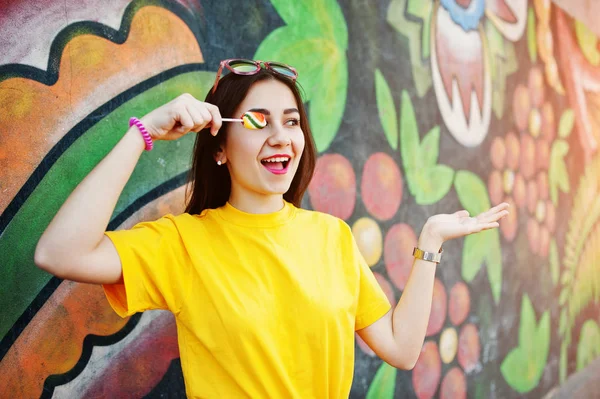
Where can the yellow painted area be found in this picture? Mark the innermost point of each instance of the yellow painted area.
(448, 344)
(369, 239)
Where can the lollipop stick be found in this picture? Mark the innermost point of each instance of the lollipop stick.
(231, 120)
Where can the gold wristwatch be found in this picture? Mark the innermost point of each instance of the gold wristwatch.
(428, 256)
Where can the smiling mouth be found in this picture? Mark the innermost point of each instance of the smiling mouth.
(276, 165)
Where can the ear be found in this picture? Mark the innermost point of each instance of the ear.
(220, 156)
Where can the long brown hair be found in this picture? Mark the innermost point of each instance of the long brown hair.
(210, 184)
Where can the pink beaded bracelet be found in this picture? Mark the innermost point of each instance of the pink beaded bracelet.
(147, 139)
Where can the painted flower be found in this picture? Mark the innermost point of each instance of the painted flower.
(534, 119)
(333, 190)
(460, 61)
(506, 183)
(453, 341)
(451, 338)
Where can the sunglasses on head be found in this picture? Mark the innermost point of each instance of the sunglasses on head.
(241, 66)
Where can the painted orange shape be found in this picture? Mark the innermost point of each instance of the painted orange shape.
(52, 342)
(93, 70)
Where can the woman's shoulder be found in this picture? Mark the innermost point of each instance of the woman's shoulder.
(177, 221)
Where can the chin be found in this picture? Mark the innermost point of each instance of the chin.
(278, 188)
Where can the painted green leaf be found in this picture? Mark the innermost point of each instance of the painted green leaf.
(327, 108)
(291, 44)
(482, 247)
(554, 261)
(431, 184)
(409, 134)
(422, 10)
(386, 109)
(384, 383)
(558, 176)
(324, 16)
(588, 347)
(494, 263)
(427, 182)
(541, 343)
(166, 161)
(565, 126)
(588, 43)
(531, 37)
(514, 371)
(314, 41)
(474, 253)
(524, 365)
(527, 327)
(472, 192)
(412, 19)
(430, 147)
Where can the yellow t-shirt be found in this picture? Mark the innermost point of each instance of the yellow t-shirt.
(266, 305)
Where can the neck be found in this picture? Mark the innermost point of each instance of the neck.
(258, 203)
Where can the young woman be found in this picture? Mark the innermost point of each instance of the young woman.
(266, 296)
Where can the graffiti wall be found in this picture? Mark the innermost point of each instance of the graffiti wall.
(417, 108)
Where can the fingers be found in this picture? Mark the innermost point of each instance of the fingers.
(494, 214)
(498, 208)
(205, 114)
(489, 226)
(462, 214)
(186, 120)
(494, 217)
(194, 115)
(215, 117)
(479, 227)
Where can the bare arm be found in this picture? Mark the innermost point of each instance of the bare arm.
(397, 337)
(74, 246)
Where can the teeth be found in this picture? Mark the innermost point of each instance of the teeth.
(278, 159)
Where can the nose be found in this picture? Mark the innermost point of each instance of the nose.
(279, 137)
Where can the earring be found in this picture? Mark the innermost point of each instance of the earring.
(219, 163)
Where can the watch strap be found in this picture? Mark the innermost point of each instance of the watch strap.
(428, 256)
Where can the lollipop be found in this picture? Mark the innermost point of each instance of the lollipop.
(250, 120)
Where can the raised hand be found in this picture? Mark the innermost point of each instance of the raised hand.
(180, 116)
(444, 227)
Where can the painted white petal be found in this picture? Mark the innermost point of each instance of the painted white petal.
(471, 128)
(27, 28)
(496, 11)
(102, 356)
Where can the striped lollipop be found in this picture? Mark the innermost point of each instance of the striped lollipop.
(250, 120)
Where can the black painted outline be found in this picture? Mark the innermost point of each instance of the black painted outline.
(51, 76)
(62, 39)
(79, 130)
(90, 340)
(46, 164)
(55, 380)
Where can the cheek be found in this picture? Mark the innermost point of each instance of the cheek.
(243, 146)
(299, 142)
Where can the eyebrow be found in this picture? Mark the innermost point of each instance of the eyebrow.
(267, 112)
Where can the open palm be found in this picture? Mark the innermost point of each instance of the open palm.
(448, 226)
